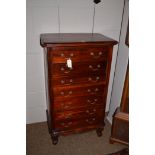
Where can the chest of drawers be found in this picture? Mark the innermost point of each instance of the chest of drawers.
(77, 69)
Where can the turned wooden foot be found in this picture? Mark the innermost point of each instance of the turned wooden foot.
(99, 132)
(54, 138)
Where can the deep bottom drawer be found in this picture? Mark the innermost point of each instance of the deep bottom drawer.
(74, 124)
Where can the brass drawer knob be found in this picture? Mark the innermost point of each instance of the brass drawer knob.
(100, 53)
(88, 90)
(62, 93)
(88, 101)
(87, 120)
(98, 66)
(71, 80)
(89, 79)
(95, 99)
(70, 92)
(62, 69)
(87, 111)
(62, 54)
(71, 54)
(62, 81)
(97, 78)
(90, 66)
(96, 89)
(91, 53)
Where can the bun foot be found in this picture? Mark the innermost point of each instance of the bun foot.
(99, 132)
(54, 139)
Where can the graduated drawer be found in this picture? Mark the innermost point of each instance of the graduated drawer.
(78, 54)
(81, 113)
(74, 80)
(74, 103)
(61, 69)
(63, 125)
(81, 90)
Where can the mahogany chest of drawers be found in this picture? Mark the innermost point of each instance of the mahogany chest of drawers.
(77, 70)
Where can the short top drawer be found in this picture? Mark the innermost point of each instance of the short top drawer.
(77, 54)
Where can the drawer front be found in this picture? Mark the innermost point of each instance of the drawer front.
(96, 111)
(73, 91)
(74, 103)
(64, 125)
(77, 54)
(78, 68)
(82, 79)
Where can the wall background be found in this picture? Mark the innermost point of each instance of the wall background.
(76, 16)
(121, 66)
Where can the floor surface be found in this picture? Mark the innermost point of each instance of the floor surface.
(39, 142)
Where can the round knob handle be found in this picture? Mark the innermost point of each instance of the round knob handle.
(88, 101)
(62, 93)
(70, 92)
(89, 90)
(93, 119)
(71, 80)
(62, 55)
(62, 69)
(90, 66)
(71, 54)
(96, 89)
(95, 99)
(94, 109)
(87, 111)
(62, 81)
(89, 79)
(97, 78)
(87, 120)
(100, 53)
(91, 53)
(98, 66)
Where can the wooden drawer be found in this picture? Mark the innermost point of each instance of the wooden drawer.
(83, 68)
(63, 125)
(81, 113)
(74, 80)
(76, 103)
(77, 54)
(73, 91)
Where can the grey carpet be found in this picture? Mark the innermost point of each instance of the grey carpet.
(38, 142)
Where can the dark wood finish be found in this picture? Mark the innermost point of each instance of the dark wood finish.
(120, 128)
(83, 68)
(76, 97)
(125, 96)
(51, 39)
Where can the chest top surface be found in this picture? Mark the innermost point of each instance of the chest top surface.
(48, 39)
